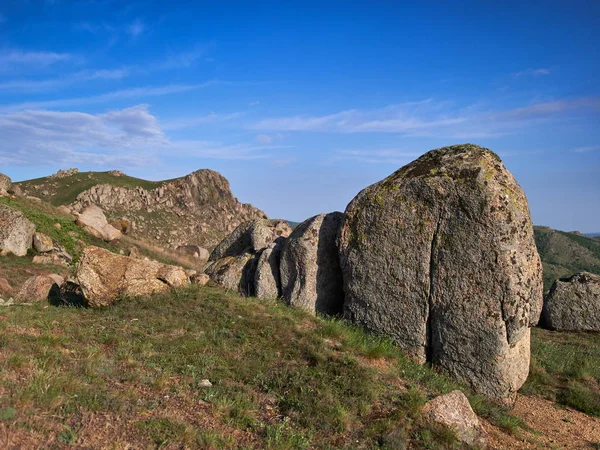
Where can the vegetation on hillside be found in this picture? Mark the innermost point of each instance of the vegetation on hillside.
(62, 191)
(564, 254)
(280, 378)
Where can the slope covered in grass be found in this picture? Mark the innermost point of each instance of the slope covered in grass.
(62, 191)
(564, 254)
(133, 373)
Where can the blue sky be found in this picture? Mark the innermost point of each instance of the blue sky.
(301, 107)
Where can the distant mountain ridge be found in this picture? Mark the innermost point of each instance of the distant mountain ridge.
(565, 253)
(198, 208)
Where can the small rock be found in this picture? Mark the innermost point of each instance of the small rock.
(5, 286)
(42, 243)
(204, 383)
(454, 411)
(58, 226)
(200, 279)
(36, 288)
(53, 259)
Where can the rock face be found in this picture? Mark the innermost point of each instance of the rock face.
(42, 243)
(267, 281)
(92, 218)
(197, 208)
(36, 288)
(104, 276)
(573, 304)
(234, 262)
(63, 173)
(440, 257)
(5, 184)
(453, 411)
(16, 232)
(311, 277)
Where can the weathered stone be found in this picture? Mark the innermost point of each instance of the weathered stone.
(311, 277)
(123, 225)
(440, 257)
(573, 304)
(16, 232)
(63, 173)
(251, 237)
(267, 282)
(104, 276)
(36, 288)
(42, 243)
(200, 279)
(454, 411)
(193, 250)
(134, 252)
(56, 259)
(92, 218)
(5, 287)
(235, 273)
(5, 184)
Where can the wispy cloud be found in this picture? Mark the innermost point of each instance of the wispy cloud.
(136, 28)
(375, 156)
(141, 92)
(61, 82)
(585, 149)
(430, 118)
(125, 135)
(209, 119)
(531, 73)
(19, 58)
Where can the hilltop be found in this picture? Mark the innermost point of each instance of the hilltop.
(197, 209)
(564, 253)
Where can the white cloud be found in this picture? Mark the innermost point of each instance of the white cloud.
(587, 148)
(31, 137)
(189, 122)
(376, 156)
(263, 139)
(531, 73)
(19, 58)
(136, 28)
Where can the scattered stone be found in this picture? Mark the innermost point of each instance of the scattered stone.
(16, 231)
(36, 288)
(201, 279)
(8, 302)
(104, 276)
(52, 259)
(42, 243)
(94, 221)
(267, 281)
(311, 277)
(63, 173)
(58, 226)
(573, 304)
(453, 411)
(116, 173)
(5, 287)
(204, 383)
(440, 257)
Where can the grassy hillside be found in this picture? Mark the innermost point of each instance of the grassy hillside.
(564, 254)
(62, 191)
(281, 379)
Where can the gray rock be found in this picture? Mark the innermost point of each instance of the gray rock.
(440, 257)
(267, 282)
(42, 243)
(193, 250)
(16, 231)
(235, 273)
(251, 237)
(5, 184)
(36, 288)
(311, 277)
(92, 218)
(573, 304)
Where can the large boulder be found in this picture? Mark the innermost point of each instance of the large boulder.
(16, 231)
(104, 276)
(36, 288)
(235, 273)
(311, 278)
(440, 257)
(92, 218)
(453, 411)
(573, 304)
(267, 282)
(251, 237)
(5, 184)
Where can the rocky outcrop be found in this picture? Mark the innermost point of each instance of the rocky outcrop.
(311, 277)
(42, 243)
(36, 288)
(454, 411)
(104, 276)
(5, 184)
(198, 208)
(92, 218)
(63, 173)
(573, 304)
(267, 281)
(251, 237)
(234, 262)
(16, 231)
(440, 257)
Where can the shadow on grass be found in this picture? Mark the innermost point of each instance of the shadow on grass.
(69, 295)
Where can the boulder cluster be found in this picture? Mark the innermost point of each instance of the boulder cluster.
(439, 257)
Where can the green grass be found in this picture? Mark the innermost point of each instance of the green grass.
(565, 367)
(281, 379)
(62, 191)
